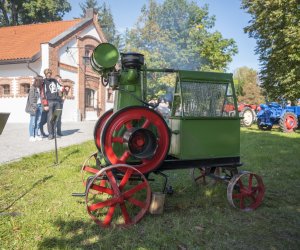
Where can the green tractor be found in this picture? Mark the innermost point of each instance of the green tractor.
(134, 142)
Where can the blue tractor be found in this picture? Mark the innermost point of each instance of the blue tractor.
(287, 117)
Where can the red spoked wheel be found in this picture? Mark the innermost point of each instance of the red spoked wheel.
(138, 136)
(90, 167)
(119, 203)
(288, 123)
(246, 191)
(99, 126)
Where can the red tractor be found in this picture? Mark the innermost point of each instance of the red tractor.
(247, 111)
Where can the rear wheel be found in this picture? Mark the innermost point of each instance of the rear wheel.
(248, 115)
(288, 122)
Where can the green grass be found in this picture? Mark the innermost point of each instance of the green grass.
(38, 211)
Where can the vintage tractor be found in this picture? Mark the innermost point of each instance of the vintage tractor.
(246, 111)
(287, 117)
(134, 142)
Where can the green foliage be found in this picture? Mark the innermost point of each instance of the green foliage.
(246, 85)
(176, 34)
(33, 11)
(105, 19)
(38, 211)
(275, 26)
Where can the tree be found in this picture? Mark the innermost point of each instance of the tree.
(177, 34)
(275, 26)
(33, 11)
(246, 84)
(105, 20)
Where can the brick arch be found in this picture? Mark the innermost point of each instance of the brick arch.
(88, 78)
(69, 83)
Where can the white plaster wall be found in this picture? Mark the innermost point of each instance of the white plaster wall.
(20, 69)
(109, 105)
(70, 109)
(16, 108)
(68, 54)
(16, 105)
(45, 57)
(90, 31)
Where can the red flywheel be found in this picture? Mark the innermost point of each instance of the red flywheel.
(136, 135)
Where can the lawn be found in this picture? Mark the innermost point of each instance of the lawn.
(38, 211)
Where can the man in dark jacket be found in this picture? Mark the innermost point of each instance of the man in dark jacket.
(51, 100)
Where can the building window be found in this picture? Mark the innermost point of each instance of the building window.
(4, 90)
(89, 97)
(24, 88)
(87, 54)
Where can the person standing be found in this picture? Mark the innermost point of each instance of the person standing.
(62, 93)
(34, 108)
(51, 100)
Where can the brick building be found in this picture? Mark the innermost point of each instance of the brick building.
(63, 46)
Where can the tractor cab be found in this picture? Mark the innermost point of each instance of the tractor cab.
(200, 126)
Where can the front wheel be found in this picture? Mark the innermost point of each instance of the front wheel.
(263, 126)
(121, 202)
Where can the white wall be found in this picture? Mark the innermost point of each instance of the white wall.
(45, 57)
(16, 108)
(16, 105)
(70, 110)
(68, 54)
(20, 69)
(90, 31)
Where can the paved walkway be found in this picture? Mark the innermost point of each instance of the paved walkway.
(14, 140)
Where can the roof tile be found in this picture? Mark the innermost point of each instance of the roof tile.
(24, 41)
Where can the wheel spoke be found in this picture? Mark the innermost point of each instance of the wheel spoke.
(132, 191)
(113, 182)
(125, 213)
(137, 202)
(146, 123)
(103, 204)
(102, 189)
(109, 215)
(117, 139)
(241, 185)
(250, 181)
(91, 170)
(128, 125)
(242, 203)
(237, 196)
(125, 178)
(125, 156)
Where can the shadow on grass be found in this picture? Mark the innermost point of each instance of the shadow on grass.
(76, 234)
(37, 183)
(76, 151)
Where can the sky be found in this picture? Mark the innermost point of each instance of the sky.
(230, 21)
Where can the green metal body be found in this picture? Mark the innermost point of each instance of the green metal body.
(199, 126)
(203, 137)
(130, 89)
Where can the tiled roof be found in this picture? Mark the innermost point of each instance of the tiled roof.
(24, 41)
